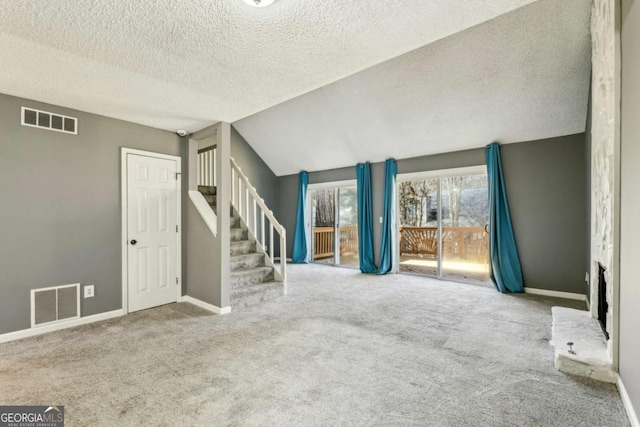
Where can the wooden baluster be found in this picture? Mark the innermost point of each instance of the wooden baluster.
(215, 183)
(247, 206)
(271, 240)
(204, 168)
(207, 168)
(210, 165)
(212, 168)
(239, 207)
(262, 230)
(283, 259)
(233, 186)
(255, 217)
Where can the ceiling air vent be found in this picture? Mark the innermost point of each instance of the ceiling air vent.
(49, 305)
(50, 121)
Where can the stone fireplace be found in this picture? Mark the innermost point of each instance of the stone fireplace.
(605, 143)
(581, 347)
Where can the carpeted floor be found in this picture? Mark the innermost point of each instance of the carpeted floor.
(342, 348)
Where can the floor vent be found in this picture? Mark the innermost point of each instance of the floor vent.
(55, 304)
(49, 121)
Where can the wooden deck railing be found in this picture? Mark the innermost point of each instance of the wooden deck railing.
(470, 243)
(323, 241)
(458, 242)
(349, 239)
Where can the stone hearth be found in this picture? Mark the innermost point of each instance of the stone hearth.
(588, 356)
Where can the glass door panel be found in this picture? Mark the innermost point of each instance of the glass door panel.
(418, 220)
(348, 226)
(465, 241)
(323, 225)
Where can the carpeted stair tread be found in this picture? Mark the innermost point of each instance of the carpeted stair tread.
(250, 295)
(251, 260)
(242, 247)
(207, 190)
(235, 222)
(238, 234)
(251, 276)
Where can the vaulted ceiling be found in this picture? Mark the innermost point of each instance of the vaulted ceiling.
(522, 76)
(310, 75)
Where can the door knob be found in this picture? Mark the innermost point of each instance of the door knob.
(134, 241)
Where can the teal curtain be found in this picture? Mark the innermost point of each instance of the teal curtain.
(300, 249)
(365, 219)
(506, 272)
(388, 209)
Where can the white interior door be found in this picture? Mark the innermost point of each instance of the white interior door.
(152, 212)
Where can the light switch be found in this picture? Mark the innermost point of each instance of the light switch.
(380, 220)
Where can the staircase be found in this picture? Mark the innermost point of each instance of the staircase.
(252, 280)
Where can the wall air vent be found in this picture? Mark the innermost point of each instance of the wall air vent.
(55, 304)
(50, 121)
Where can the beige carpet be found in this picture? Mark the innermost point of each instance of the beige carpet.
(342, 348)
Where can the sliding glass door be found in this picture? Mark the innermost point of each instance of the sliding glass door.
(418, 218)
(323, 220)
(334, 224)
(347, 227)
(465, 215)
(443, 225)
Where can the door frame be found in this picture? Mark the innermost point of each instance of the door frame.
(432, 174)
(124, 152)
(337, 185)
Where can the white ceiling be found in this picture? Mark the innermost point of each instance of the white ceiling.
(185, 64)
(522, 76)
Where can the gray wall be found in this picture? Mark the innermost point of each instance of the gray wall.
(203, 262)
(254, 168)
(630, 203)
(547, 192)
(208, 259)
(546, 188)
(60, 210)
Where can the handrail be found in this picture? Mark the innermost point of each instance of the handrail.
(246, 200)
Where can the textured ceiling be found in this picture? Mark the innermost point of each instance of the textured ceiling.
(189, 63)
(522, 76)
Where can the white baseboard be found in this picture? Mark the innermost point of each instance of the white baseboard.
(26, 333)
(628, 406)
(210, 307)
(556, 294)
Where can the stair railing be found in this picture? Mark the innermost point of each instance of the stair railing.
(207, 166)
(255, 214)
